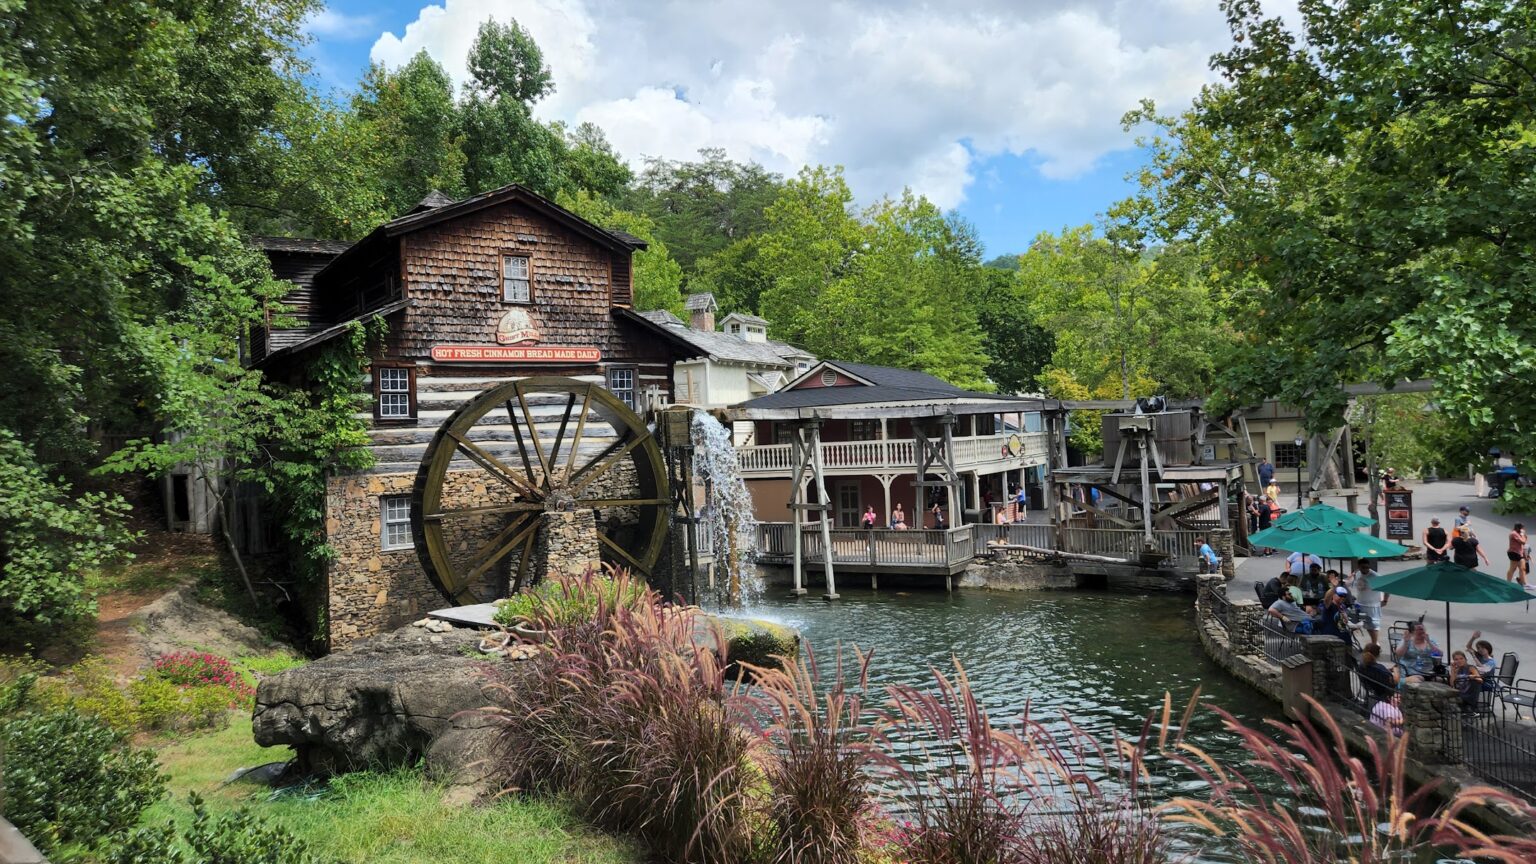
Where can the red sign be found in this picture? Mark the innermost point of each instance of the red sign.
(514, 354)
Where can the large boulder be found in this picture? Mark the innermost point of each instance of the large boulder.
(379, 703)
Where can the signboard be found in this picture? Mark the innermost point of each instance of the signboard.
(516, 326)
(1399, 514)
(514, 354)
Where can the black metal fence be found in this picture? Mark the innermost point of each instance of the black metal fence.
(1500, 750)
(1279, 645)
(1221, 609)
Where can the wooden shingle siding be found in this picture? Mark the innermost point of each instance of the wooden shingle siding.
(623, 291)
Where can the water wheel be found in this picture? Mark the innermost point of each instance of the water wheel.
(520, 450)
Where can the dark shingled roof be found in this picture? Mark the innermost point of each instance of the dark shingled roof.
(661, 316)
(434, 200)
(700, 302)
(886, 385)
(299, 244)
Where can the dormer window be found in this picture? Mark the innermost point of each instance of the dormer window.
(516, 279)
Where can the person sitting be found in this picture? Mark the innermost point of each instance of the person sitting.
(1333, 619)
(1466, 679)
(1272, 590)
(898, 519)
(1314, 585)
(1291, 616)
(1480, 655)
(1380, 682)
(1386, 716)
(1417, 654)
(869, 519)
(1209, 561)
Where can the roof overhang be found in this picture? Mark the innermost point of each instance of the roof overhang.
(332, 332)
(893, 410)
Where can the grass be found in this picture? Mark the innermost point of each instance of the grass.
(137, 577)
(381, 818)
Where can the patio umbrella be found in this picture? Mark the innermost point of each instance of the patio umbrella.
(1336, 542)
(1450, 583)
(1325, 516)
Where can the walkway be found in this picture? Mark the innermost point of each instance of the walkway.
(1507, 625)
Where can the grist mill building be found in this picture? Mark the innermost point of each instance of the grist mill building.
(494, 288)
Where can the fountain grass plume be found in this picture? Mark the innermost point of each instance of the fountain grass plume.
(821, 801)
(727, 514)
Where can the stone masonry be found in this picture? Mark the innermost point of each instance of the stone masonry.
(567, 545)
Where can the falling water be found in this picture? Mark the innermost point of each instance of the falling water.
(726, 516)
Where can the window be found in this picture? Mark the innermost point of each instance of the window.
(395, 524)
(516, 279)
(396, 390)
(1287, 455)
(828, 378)
(782, 433)
(864, 430)
(621, 380)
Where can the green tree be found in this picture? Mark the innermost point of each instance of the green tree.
(414, 122)
(1369, 177)
(703, 207)
(1019, 348)
(656, 277)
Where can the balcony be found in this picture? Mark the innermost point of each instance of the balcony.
(987, 453)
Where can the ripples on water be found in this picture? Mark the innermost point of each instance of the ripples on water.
(1105, 659)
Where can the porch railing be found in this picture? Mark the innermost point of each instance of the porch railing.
(1176, 545)
(875, 548)
(891, 454)
(987, 536)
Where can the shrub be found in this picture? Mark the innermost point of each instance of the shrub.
(241, 837)
(625, 716)
(558, 603)
(201, 669)
(821, 799)
(271, 664)
(70, 778)
(163, 705)
(92, 688)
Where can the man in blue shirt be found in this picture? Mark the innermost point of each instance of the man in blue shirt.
(1266, 472)
(1209, 563)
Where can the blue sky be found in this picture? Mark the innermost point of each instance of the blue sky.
(1007, 111)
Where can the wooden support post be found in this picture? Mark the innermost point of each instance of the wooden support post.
(796, 492)
(1146, 490)
(821, 497)
(1222, 501)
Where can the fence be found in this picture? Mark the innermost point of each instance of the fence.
(1221, 608)
(924, 548)
(1176, 546)
(1500, 751)
(987, 536)
(1279, 645)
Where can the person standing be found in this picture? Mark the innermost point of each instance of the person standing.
(870, 518)
(1272, 491)
(938, 516)
(1519, 553)
(1368, 598)
(1436, 543)
(1466, 550)
(1463, 516)
(1266, 472)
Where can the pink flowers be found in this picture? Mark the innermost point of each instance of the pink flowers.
(201, 669)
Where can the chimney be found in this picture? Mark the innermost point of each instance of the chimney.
(701, 311)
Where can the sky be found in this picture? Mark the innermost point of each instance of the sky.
(1007, 111)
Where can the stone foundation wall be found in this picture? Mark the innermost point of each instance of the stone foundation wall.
(1018, 575)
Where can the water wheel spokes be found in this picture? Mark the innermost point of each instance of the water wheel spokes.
(523, 449)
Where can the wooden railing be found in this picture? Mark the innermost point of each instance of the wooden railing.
(895, 454)
(986, 536)
(939, 549)
(1127, 543)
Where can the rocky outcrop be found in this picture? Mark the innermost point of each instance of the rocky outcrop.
(381, 702)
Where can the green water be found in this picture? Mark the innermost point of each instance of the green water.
(1106, 659)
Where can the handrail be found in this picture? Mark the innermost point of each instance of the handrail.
(874, 547)
(897, 453)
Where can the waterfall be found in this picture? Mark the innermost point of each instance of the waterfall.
(726, 516)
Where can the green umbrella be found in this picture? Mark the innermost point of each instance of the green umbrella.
(1325, 516)
(1340, 543)
(1451, 583)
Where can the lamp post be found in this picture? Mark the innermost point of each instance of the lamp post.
(1299, 442)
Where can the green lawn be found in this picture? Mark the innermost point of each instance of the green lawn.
(381, 818)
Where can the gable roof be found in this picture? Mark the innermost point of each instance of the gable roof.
(878, 385)
(744, 318)
(701, 302)
(300, 245)
(721, 347)
(419, 218)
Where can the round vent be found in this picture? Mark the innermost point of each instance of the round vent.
(828, 378)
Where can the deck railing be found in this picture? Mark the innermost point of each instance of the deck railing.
(1178, 546)
(879, 547)
(893, 454)
(985, 537)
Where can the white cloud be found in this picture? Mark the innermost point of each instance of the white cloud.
(901, 93)
(331, 24)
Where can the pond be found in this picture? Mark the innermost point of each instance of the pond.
(1104, 658)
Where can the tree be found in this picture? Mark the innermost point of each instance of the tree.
(1019, 348)
(1369, 177)
(701, 208)
(656, 277)
(414, 121)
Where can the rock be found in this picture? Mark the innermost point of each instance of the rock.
(178, 622)
(750, 640)
(15, 849)
(378, 703)
(466, 757)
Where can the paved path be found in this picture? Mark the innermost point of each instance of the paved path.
(1509, 626)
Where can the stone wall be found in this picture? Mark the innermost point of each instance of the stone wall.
(1235, 641)
(1018, 574)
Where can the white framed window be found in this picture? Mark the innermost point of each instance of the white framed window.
(516, 279)
(864, 430)
(395, 522)
(394, 393)
(621, 380)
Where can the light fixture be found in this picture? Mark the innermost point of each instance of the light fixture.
(1299, 442)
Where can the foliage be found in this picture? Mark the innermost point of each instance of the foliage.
(1019, 348)
(891, 287)
(271, 664)
(701, 208)
(1401, 431)
(1516, 501)
(656, 277)
(199, 669)
(241, 837)
(822, 803)
(1368, 174)
(624, 716)
(67, 778)
(50, 541)
(555, 604)
(161, 705)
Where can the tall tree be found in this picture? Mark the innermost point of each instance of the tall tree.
(415, 122)
(703, 207)
(1019, 348)
(1371, 175)
(656, 277)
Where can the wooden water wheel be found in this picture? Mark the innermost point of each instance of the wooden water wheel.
(520, 450)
